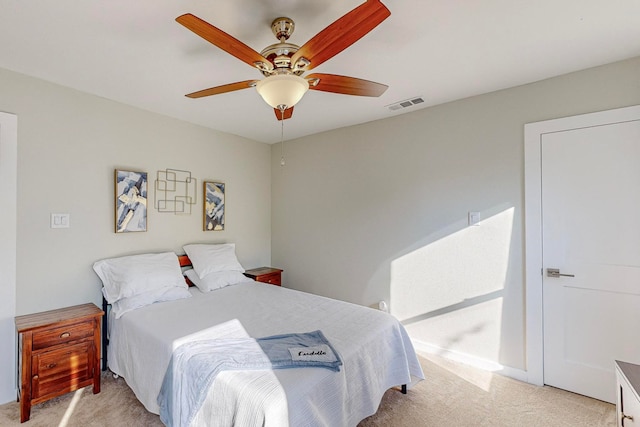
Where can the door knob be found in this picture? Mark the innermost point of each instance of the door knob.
(555, 272)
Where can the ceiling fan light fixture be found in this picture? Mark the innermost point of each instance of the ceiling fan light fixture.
(282, 90)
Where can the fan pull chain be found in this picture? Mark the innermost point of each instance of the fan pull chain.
(282, 163)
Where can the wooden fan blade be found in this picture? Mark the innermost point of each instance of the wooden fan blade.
(224, 41)
(222, 89)
(345, 85)
(287, 113)
(342, 33)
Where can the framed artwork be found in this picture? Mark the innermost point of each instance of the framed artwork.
(130, 201)
(213, 206)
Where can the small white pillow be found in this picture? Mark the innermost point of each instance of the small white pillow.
(128, 276)
(211, 258)
(124, 305)
(217, 279)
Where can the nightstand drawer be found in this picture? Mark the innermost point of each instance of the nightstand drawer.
(69, 365)
(62, 335)
(273, 279)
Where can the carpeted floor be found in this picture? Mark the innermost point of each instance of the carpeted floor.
(452, 395)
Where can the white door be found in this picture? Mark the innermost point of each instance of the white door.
(591, 233)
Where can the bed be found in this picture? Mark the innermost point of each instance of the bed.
(374, 348)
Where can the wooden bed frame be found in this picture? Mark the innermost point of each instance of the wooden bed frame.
(184, 261)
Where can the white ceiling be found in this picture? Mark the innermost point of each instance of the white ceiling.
(442, 50)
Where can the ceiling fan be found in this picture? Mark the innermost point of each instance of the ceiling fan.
(283, 63)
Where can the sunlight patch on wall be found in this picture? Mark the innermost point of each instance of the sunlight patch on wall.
(473, 330)
(449, 292)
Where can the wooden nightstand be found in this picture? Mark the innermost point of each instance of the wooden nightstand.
(269, 275)
(58, 352)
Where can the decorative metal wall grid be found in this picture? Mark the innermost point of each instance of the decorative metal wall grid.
(175, 191)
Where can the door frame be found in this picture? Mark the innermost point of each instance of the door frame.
(533, 132)
(8, 225)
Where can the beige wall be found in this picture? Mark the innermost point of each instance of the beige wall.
(69, 144)
(379, 211)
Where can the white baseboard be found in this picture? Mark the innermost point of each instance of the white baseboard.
(471, 360)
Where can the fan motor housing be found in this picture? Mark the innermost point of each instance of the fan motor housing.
(279, 54)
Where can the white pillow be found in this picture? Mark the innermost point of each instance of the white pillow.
(128, 276)
(211, 258)
(124, 305)
(217, 279)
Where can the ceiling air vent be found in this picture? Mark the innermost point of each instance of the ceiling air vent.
(405, 104)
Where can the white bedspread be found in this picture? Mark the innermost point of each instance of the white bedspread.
(375, 349)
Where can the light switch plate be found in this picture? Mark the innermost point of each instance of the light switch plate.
(60, 220)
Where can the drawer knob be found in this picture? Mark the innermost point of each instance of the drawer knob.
(52, 365)
(65, 335)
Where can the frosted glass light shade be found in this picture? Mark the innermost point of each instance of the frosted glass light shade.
(282, 89)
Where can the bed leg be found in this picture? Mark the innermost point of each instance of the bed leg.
(404, 389)
(105, 331)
